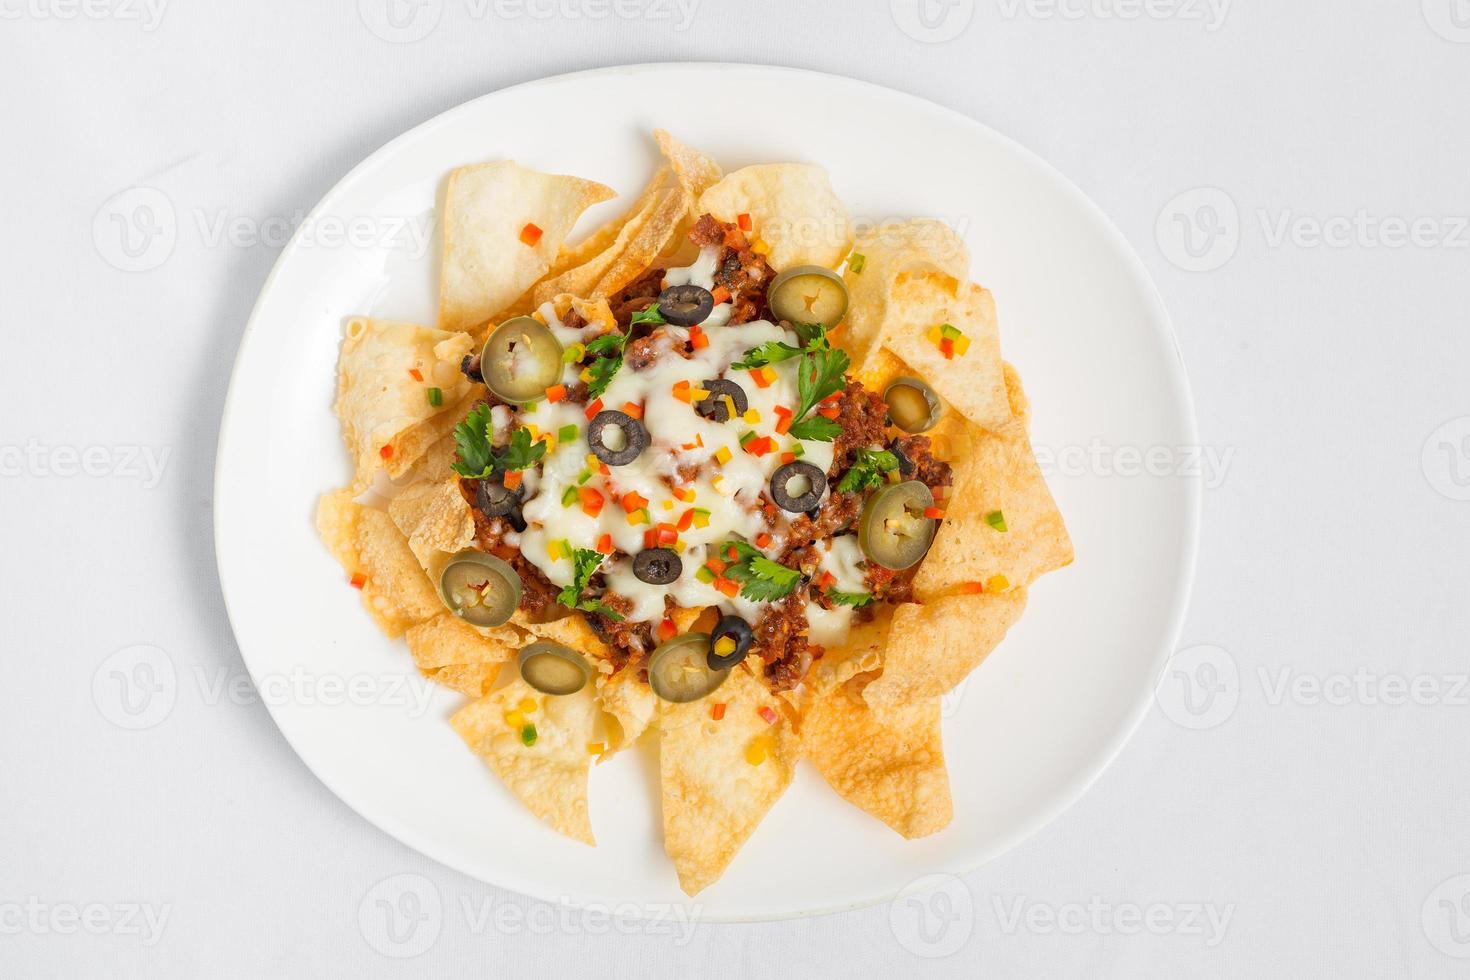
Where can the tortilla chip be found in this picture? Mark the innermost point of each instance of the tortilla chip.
(862, 652)
(435, 518)
(380, 402)
(365, 542)
(889, 250)
(571, 630)
(792, 208)
(893, 769)
(642, 233)
(630, 705)
(471, 680)
(550, 775)
(995, 473)
(974, 382)
(486, 265)
(696, 172)
(932, 647)
(434, 466)
(713, 798)
(447, 640)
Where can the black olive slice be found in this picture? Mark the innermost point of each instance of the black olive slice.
(729, 643)
(685, 306)
(893, 530)
(521, 359)
(807, 482)
(658, 566)
(808, 294)
(679, 670)
(912, 405)
(616, 438)
(479, 588)
(713, 406)
(493, 499)
(553, 669)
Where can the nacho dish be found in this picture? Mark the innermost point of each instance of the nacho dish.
(728, 472)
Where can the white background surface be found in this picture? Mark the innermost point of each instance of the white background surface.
(1331, 391)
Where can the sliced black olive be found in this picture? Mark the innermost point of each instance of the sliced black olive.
(616, 438)
(658, 566)
(685, 306)
(729, 643)
(912, 405)
(798, 487)
(808, 294)
(893, 530)
(553, 669)
(679, 670)
(493, 499)
(713, 407)
(521, 359)
(469, 366)
(516, 520)
(479, 588)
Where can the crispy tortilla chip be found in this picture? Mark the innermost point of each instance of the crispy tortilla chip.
(893, 769)
(382, 404)
(550, 775)
(642, 233)
(630, 705)
(435, 518)
(447, 640)
(932, 647)
(995, 473)
(696, 172)
(891, 249)
(364, 541)
(471, 680)
(713, 797)
(973, 382)
(434, 465)
(486, 264)
(571, 630)
(792, 208)
(862, 652)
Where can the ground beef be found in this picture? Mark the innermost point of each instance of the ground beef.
(645, 350)
(636, 296)
(740, 270)
(917, 462)
(537, 593)
(628, 640)
(573, 320)
(837, 512)
(780, 639)
(863, 416)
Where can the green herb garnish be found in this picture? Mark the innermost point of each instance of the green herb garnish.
(584, 562)
(650, 315)
(855, 599)
(761, 580)
(478, 457)
(867, 470)
(771, 352)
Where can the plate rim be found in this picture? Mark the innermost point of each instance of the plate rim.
(1073, 787)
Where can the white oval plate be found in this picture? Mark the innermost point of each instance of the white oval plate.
(1024, 736)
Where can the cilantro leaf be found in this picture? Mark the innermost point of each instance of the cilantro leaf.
(867, 470)
(856, 600)
(816, 429)
(608, 343)
(761, 580)
(771, 352)
(472, 441)
(521, 454)
(600, 374)
(813, 334)
(584, 563)
(650, 315)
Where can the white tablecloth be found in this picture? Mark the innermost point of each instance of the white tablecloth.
(1293, 174)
